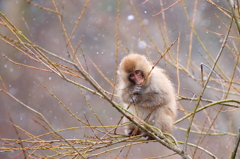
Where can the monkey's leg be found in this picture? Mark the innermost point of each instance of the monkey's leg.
(164, 118)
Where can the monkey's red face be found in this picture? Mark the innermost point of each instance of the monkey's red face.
(136, 77)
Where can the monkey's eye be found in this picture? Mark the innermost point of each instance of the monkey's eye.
(131, 75)
(137, 72)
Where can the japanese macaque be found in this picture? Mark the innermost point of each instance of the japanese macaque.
(146, 92)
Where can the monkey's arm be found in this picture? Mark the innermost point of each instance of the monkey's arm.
(135, 95)
(127, 95)
(151, 99)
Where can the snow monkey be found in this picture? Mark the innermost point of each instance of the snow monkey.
(146, 92)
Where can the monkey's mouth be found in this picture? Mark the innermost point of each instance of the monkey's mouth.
(139, 81)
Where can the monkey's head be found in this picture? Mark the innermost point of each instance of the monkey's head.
(134, 68)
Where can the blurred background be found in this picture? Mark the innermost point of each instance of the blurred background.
(97, 30)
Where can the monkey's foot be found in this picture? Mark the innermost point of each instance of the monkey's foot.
(147, 136)
(128, 132)
(132, 131)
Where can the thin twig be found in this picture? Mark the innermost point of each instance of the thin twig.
(204, 87)
(236, 145)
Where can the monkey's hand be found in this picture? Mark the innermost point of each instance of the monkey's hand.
(133, 98)
(135, 92)
(137, 89)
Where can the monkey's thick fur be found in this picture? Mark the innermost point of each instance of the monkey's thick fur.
(153, 101)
